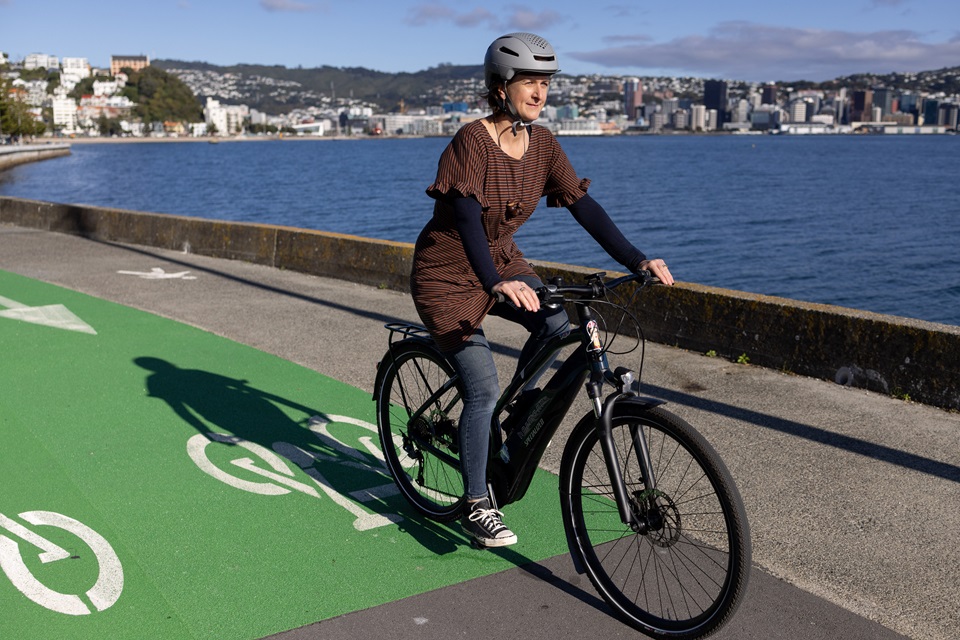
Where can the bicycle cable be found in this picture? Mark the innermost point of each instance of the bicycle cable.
(624, 307)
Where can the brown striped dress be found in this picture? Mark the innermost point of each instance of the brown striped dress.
(448, 296)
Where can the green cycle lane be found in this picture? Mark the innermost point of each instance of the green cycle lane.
(161, 481)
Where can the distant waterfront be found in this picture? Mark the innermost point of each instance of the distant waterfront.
(865, 222)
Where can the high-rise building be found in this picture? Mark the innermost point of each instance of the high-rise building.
(909, 103)
(931, 109)
(698, 117)
(947, 115)
(679, 119)
(632, 97)
(862, 108)
(883, 98)
(798, 111)
(769, 94)
(715, 97)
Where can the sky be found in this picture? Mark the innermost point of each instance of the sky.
(752, 40)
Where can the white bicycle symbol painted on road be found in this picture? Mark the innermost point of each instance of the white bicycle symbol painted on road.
(104, 592)
(280, 480)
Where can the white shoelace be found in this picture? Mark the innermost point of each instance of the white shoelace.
(490, 518)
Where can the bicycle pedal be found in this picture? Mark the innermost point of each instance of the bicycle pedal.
(476, 545)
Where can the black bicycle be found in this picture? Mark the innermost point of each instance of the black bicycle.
(651, 512)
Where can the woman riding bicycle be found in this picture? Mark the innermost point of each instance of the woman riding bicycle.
(489, 180)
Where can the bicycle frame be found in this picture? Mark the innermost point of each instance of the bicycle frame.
(513, 462)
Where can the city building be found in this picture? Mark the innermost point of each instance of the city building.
(40, 61)
(769, 94)
(715, 97)
(77, 67)
(947, 115)
(680, 119)
(226, 119)
(579, 127)
(884, 98)
(135, 63)
(798, 111)
(766, 117)
(64, 112)
(741, 112)
(862, 106)
(712, 120)
(632, 97)
(93, 108)
(698, 117)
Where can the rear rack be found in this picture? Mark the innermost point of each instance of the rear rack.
(408, 330)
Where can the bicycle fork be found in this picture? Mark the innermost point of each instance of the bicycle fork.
(629, 508)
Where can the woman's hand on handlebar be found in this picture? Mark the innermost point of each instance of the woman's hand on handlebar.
(518, 293)
(658, 268)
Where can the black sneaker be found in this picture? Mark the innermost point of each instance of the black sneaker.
(483, 524)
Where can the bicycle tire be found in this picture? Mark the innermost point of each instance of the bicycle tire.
(419, 435)
(685, 579)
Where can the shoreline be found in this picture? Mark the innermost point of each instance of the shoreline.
(218, 139)
(628, 133)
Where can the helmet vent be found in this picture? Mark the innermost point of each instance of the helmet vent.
(539, 42)
(509, 51)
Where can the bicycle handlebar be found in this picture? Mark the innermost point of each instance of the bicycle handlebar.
(595, 288)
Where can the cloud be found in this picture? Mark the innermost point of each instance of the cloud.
(749, 51)
(287, 5)
(518, 18)
(537, 22)
(424, 14)
(476, 18)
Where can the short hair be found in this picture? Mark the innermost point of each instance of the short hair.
(490, 95)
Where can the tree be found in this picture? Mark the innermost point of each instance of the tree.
(16, 120)
(161, 97)
(109, 126)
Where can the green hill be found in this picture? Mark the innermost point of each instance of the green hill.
(277, 89)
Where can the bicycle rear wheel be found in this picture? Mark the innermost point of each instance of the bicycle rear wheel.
(683, 573)
(418, 409)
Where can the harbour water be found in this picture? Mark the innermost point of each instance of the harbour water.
(868, 222)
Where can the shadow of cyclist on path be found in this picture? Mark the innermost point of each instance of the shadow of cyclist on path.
(323, 446)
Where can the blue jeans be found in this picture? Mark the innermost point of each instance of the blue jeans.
(473, 361)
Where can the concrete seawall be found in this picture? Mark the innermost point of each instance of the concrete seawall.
(12, 155)
(887, 354)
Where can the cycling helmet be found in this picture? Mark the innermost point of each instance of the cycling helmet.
(518, 53)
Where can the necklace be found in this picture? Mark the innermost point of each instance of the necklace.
(515, 208)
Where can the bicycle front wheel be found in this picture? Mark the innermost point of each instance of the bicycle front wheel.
(681, 570)
(418, 410)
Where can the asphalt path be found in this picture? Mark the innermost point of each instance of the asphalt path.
(852, 496)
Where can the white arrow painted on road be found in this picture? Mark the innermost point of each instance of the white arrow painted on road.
(51, 315)
(159, 274)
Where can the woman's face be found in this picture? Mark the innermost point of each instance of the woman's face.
(528, 94)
